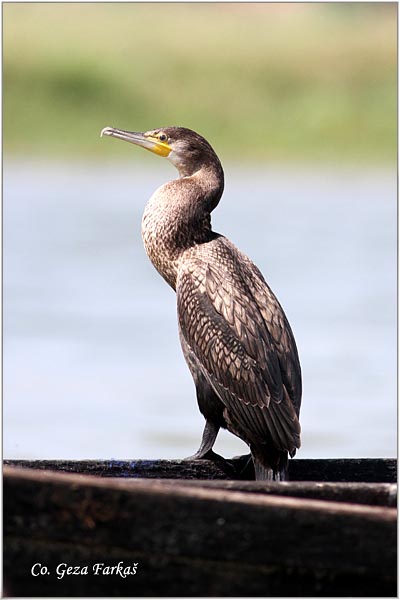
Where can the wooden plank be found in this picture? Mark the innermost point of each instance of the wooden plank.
(190, 540)
(367, 470)
(374, 494)
(381, 494)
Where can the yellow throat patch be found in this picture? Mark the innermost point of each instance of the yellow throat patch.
(160, 148)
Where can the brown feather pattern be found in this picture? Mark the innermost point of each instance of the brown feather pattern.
(240, 351)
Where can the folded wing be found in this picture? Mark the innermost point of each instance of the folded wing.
(243, 344)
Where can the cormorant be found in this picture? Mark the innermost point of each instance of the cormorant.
(234, 334)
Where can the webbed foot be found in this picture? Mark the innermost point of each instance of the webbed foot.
(209, 455)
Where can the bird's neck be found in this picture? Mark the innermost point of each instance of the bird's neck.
(177, 217)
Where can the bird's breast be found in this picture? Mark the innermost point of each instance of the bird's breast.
(175, 220)
(158, 234)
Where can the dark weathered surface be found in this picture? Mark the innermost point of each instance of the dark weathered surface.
(374, 494)
(367, 470)
(190, 540)
(157, 469)
(382, 494)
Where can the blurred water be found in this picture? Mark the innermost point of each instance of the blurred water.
(92, 362)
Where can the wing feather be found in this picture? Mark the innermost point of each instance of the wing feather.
(239, 343)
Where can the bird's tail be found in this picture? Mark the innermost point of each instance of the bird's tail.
(266, 473)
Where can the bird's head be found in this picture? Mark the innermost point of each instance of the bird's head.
(185, 148)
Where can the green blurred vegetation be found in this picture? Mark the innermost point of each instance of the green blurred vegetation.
(277, 81)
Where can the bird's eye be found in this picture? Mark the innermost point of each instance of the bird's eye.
(162, 137)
